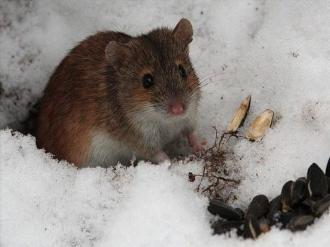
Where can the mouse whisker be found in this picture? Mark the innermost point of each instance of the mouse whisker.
(211, 80)
(211, 76)
(192, 94)
(198, 88)
(215, 73)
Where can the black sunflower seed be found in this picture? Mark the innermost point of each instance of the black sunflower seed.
(317, 182)
(285, 218)
(299, 191)
(274, 209)
(286, 196)
(321, 206)
(300, 222)
(221, 227)
(251, 228)
(258, 207)
(327, 170)
(218, 207)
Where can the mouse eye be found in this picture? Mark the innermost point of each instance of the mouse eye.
(147, 80)
(182, 72)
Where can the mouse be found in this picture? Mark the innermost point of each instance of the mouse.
(115, 96)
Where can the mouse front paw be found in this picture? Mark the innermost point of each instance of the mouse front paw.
(194, 143)
(160, 157)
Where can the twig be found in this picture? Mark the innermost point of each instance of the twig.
(214, 159)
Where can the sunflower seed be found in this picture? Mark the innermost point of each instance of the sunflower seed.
(258, 207)
(239, 115)
(217, 207)
(299, 191)
(317, 182)
(327, 170)
(286, 196)
(274, 209)
(300, 222)
(259, 126)
(321, 206)
(251, 228)
(220, 227)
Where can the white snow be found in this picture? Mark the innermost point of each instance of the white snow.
(277, 51)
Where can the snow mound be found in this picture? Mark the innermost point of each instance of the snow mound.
(52, 203)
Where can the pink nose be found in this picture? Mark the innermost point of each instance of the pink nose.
(176, 109)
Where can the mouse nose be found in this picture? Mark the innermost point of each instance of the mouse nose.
(176, 108)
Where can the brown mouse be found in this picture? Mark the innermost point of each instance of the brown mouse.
(114, 96)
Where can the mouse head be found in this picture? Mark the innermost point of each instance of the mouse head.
(154, 72)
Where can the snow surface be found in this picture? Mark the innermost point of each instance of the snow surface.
(278, 51)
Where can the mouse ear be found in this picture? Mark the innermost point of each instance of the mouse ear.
(116, 52)
(183, 31)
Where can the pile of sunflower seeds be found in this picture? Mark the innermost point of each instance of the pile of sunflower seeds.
(299, 203)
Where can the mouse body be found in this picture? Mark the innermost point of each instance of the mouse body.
(114, 96)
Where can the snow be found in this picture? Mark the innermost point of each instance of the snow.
(46, 202)
(277, 51)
